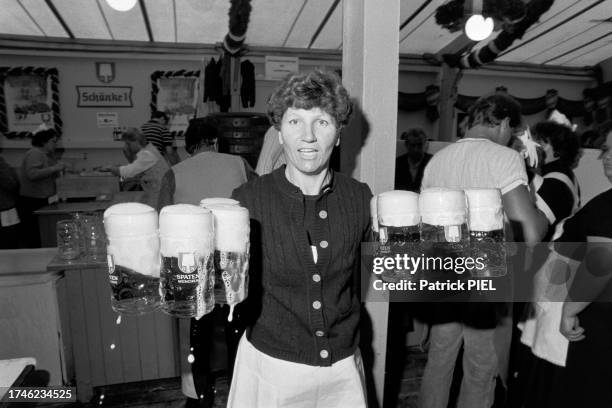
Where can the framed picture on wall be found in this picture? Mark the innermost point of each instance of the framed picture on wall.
(29, 97)
(176, 94)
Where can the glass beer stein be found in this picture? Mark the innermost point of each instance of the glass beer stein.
(444, 233)
(133, 257)
(486, 229)
(398, 225)
(186, 247)
(231, 257)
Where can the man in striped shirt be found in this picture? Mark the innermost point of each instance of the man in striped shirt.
(156, 133)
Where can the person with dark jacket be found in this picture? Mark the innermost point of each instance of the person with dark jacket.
(409, 167)
(9, 218)
(307, 223)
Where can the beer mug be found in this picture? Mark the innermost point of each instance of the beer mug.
(133, 257)
(486, 230)
(398, 216)
(93, 236)
(443, 216)
(444, 234)
(398, 224)
(231, 252)
(186, 247)
(68, 239)
(218, 200)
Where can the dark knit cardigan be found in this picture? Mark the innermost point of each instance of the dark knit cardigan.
(301, 311)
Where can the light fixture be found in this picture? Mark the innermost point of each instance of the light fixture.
(477, 28)
(122, 5)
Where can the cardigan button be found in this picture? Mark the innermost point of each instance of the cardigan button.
(316, 305)
(319, 333)
(323, 214)
(316, 277)
(324, 353)
(324, 244)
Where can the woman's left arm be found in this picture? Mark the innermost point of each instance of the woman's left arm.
(594, 274)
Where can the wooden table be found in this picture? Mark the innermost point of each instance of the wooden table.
(49, 215)
(104, 352)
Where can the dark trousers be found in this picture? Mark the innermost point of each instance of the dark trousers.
(29, 221)
(10, 237)
(202, 342)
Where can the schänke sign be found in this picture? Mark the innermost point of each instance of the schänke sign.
(104, 96)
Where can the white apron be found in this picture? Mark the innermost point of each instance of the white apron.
(267, 382)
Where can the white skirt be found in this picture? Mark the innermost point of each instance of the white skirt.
(263, 381)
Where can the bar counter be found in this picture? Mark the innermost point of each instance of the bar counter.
(107, 349)
(49, 215)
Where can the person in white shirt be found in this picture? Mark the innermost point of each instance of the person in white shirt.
(480, 160)
(149, 164)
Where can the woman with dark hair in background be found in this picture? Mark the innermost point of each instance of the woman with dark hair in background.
(559, 195)
(39, 169)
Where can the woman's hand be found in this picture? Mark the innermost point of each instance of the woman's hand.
(570, 328)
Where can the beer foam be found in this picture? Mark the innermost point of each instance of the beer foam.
(139, 253)
(374, 213)
(185, 228)
(231, 227)
(130, 219)
(398, 208)
(218, 200)
(441, 206)
(485, 210)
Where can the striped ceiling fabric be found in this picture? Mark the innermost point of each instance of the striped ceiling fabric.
(572, 33)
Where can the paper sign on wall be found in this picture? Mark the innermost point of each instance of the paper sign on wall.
(279, 67)
(107, 119)
(104, 96)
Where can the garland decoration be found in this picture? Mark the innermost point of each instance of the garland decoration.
(239, 13)
(595, 105)
(513, 17)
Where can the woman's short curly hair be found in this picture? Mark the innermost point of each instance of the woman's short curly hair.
(565, 143)
(315, 89)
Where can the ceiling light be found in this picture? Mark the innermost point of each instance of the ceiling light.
(477, 28)
(122, 5)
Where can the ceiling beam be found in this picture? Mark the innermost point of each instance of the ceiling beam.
(145, 16)
(297, 17)
(579, 47)
(416, 13)
(59, 18)
(174, 21)
(320, 28)
(523, 43)
(32, 18)
(101, 10)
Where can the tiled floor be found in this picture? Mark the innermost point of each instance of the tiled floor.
(167, 392)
